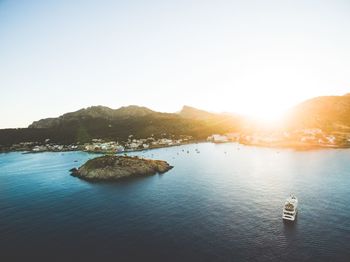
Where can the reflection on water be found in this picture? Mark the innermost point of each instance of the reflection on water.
(222, 204)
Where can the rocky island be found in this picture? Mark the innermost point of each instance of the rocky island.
(111, 168)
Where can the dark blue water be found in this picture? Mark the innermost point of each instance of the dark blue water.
(222, 204)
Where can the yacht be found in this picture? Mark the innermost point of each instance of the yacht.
(290, 208)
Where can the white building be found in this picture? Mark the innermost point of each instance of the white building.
(218, 138)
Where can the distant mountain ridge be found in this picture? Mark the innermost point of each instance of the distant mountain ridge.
(92, 112)
(329, 113)
(118, 124)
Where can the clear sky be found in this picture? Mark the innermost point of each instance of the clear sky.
(252, 57)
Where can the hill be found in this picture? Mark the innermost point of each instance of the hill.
(118, 124)
(194, 113)
(329, 113)
(93, 112)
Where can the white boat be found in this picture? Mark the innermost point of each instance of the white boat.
(290, 208)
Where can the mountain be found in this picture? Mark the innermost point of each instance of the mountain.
(118, 124)
(230, 122)
(329, 113)
(194, 113)
(93, 112)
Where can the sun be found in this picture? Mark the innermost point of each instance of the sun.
(264, 112)
(268, 115)
(260, 106)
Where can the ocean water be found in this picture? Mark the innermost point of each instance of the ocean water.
(221, 204)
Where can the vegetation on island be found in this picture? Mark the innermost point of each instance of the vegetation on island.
(111, 167)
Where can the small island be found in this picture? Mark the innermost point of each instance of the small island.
(111, 168)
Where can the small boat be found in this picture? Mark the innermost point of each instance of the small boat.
(290, 208)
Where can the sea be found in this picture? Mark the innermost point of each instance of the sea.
(220, 202)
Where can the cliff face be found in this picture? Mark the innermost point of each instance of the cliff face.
(107, 168)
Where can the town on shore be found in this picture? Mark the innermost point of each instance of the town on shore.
(298, 139)
(100, 145)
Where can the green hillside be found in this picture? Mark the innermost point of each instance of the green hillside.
(117, 124)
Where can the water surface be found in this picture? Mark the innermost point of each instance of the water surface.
(221, 204)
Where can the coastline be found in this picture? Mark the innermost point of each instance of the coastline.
(298, 146)
(101, 151)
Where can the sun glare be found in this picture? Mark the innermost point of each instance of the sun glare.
(261, 110)
(267, 114)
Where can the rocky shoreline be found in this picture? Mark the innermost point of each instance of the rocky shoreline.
(112, 168)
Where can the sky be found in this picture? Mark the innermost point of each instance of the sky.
(257, 58)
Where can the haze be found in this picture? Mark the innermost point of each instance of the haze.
(251, 57)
